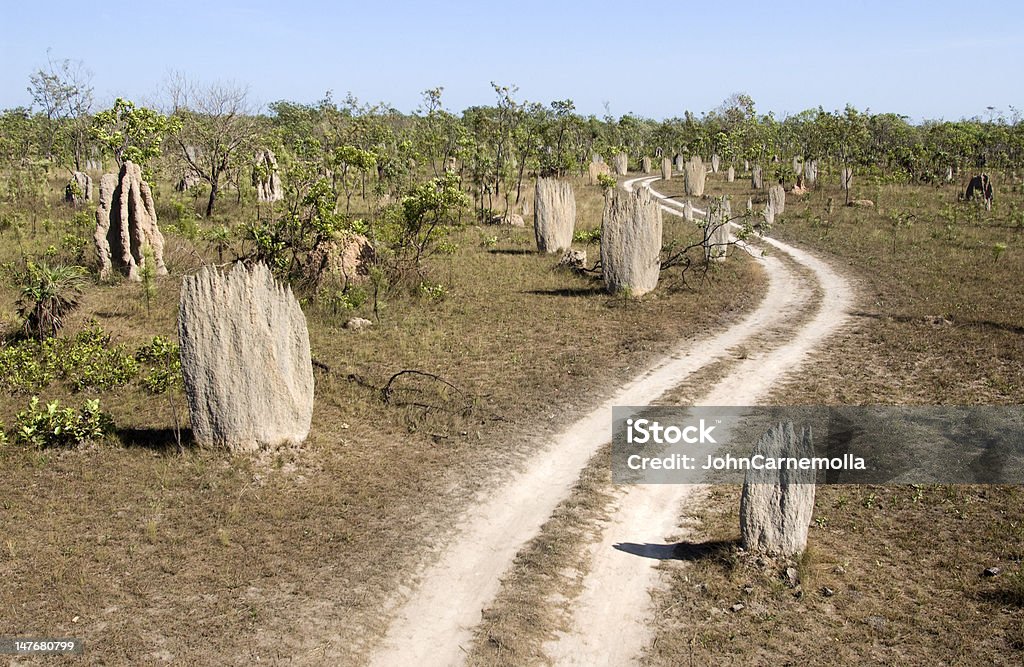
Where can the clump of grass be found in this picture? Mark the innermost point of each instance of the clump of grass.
(48, 295)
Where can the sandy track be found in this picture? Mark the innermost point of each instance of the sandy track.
(436, 619)
(611, 617)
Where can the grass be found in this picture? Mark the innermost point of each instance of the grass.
(203, 557)
(892, 575)
(940, 322)
(548, 573)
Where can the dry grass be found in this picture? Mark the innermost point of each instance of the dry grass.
(548, 574)
(892, 575)
(942, 323)
(202, 558)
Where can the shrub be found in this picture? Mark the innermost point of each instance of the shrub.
(54, 426)
(165, 365)
(436, 292)
(21, 369)
(85, 361)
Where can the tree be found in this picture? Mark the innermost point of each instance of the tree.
(735, 111)
(215, 127)
(439, 132)
(130, 132)
(63, 91)
(421, 222)
(19, 136)
(346, 162)
(563, 135)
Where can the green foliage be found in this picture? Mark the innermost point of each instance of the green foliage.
(267, 244)
(47, 295)
(87, 360)
(72, 248)
(185, 226)
(899, 220)
(164, 365)
(606, 181)
(21, 135)
(130, 132)
(63, 93)
(436, 292)
(54, 426)
(219, 238)
(21, 369)
(284, 243)
(341, 301)
(588, 236)
(416, 229)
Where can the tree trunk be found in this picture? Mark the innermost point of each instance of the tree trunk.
(213, 197)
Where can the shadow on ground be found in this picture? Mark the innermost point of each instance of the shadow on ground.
(942, 321)
(512, 251)
(163, 440)
(689, 551)
(568, 291)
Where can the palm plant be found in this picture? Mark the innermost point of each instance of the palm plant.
(48, 295)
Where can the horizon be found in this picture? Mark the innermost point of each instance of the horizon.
(912, 61)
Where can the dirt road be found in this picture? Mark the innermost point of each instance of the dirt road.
(610, 618)
(434, 622)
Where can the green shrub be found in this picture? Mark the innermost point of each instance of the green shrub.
(342, 301)
(156, 351)
(54, 426)
(86, 361)
(165, 365)
(587, 236)
(83, 361)
(21, 369)
(436, 292)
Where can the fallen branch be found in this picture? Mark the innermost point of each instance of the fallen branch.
(388, 390)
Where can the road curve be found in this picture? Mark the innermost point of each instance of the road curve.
(434, 620)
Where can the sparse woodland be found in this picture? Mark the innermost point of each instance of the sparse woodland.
(438, 332)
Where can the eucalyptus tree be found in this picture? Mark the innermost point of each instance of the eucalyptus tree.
(216, 129)
(63, 91)
(846, 137)
(131, 132)
(439, 133)
(735, 111)
(562, 134)
(634, 134)
(896, 146)
(508, 116)
(951, 144)
(20, 136)
(667, 136)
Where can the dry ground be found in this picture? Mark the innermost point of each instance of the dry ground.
(198, 557)
(893, 575)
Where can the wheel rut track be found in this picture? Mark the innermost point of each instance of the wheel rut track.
(434, 621)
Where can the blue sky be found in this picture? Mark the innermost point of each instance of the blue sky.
(936, 59)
